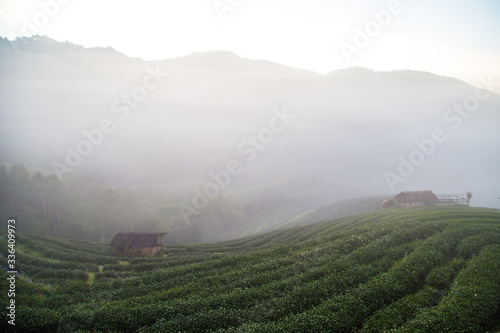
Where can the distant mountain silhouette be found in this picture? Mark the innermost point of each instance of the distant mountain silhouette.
(351, 125)
(44, 44)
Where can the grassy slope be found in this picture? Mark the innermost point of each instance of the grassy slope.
(402, 270)
(336, 210)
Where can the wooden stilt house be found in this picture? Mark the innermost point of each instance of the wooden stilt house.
(416, 198)
(138, 243)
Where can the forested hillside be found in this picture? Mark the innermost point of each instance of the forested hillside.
(86, 208)
(399, 270)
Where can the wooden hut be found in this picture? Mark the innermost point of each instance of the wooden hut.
(138, 243)
(416, 198)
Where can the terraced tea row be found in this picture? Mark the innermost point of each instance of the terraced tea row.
(395, 270)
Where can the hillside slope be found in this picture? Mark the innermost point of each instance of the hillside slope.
(411, 270)
(333, 211)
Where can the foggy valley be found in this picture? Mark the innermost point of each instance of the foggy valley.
(296, 140)
(253, 166)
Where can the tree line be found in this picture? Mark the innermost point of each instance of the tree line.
(45, 205)
(84, 208)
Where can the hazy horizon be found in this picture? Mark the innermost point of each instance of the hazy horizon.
(221, 102)
(239, 125)
(320, 36)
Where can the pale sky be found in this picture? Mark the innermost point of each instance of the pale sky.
(457, 38)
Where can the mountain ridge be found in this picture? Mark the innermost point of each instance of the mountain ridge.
(41, 43)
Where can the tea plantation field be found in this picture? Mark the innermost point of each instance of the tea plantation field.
(400, 270)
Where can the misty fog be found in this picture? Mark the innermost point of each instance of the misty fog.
(345, 130)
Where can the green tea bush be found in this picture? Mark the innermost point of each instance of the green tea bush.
(471, 246)
(397, 313)
(472, 302)
(402, 270)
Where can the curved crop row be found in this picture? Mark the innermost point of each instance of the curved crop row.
(393, 270)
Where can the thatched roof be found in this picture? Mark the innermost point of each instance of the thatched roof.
(416, 197)
(137, 239)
